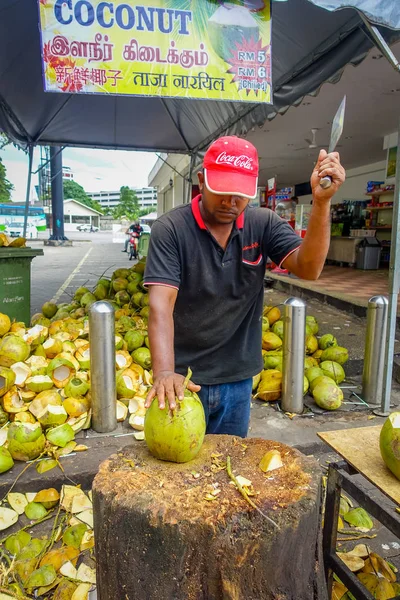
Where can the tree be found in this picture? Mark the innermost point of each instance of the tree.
(73, 190)
(146, 211)
(6, 187)
(128, 204)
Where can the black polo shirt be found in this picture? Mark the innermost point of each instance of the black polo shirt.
(218, 309)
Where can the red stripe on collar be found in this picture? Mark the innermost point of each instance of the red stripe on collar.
(199, 219)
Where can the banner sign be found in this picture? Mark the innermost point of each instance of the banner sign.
(171, 48)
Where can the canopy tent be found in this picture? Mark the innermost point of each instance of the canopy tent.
(310, 46)
(312, 41)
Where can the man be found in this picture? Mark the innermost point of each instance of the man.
(135, 227)
(205, 272)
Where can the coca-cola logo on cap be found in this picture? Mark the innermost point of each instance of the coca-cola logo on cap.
(242, 161)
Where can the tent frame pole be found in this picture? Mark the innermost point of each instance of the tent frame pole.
(394, 285)
(28, 188)
(381, 43)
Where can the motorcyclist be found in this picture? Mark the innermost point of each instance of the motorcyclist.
(134, 228)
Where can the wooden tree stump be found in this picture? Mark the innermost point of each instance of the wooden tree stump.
(163, 532)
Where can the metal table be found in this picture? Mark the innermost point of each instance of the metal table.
(360, 449)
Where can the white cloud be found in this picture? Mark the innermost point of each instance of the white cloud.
(94, 169)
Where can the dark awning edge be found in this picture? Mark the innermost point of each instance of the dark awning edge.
(378, 12)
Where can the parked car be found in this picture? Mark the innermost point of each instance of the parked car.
(17, 230)
(146, 228)
(87, 228)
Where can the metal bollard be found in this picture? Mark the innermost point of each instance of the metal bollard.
(294, 319)
(102, 367)
(374, 355)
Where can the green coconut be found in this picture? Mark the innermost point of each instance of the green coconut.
(314, 372)
(49, 309)
(7, 379)
(134, 339)
(39, 383)
(264, 324)
(25, 440)
(147, 342)
(311, 344)
(13, 349)
(100, 293)
(309, 362)
(122, 272)
(137, 299)
(80, 292)
(122, 298)
(256, 381)
(277, 328)
(313, 324)
(176, 436)
(336, 353)
(228, 27)
(87, 300)
(61, 435)
(145, 312)
(119, 284)
(52, 415)
(327, 395)
(127, 383)
(133, 287)
(389, 442)
(270, 341)
(273, 359)
(142, 357)
(334, 370)
(135, 277)
(320, 379)
(327, 341)
(6, 460)
(76, 387)
(104, 282)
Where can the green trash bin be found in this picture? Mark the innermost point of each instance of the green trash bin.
(15, 282)
(144, 242)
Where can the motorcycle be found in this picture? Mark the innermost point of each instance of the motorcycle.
(133, 245)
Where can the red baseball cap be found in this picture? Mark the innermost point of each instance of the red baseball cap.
(231, 167)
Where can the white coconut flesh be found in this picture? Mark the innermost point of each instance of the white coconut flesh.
(128, 382)
(133, 406)
(61, 373)
(34, 333)
(22, 372)
(49, 343)
(122, 411)
(121, 361)
(230, 14)
(394, 419)
(52, 409)
(38, 379)
(16, 401)
(3, 435)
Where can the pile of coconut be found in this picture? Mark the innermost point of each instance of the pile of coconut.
(45, 370)
(323, 364)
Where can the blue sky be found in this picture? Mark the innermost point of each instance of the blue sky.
(95, 170)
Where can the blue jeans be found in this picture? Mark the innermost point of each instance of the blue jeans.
(227, 407)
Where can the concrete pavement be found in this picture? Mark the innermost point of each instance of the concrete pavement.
(61, 270)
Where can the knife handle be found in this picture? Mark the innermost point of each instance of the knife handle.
(325, 182)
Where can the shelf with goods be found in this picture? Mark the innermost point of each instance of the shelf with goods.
(379, 213)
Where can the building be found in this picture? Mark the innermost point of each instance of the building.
(76, 213)
(170, 176)
(108, 200)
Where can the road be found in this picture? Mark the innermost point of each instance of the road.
(61, 270)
